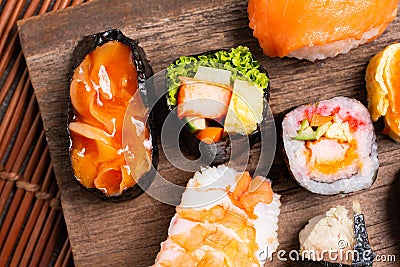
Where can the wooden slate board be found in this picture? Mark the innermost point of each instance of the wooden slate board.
(129, 233)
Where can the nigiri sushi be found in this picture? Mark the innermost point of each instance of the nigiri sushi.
(317, 29)
(109, 70)
(225, 218)
(336, 239)
(330, 146)
(219, 96)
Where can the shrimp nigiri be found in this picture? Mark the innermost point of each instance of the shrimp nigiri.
(225, 218)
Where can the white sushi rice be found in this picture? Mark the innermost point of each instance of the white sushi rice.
(319, 52)
(366, 149)
(207, 189)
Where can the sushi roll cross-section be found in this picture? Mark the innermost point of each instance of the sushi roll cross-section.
(330, 146)
(108, 72)
(219, 96)
(225, 218)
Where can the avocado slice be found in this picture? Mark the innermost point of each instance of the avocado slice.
(304, 124)
(308, 134)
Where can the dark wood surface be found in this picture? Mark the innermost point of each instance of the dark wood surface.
(129, 233)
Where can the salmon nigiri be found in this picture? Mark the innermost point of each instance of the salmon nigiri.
(317, 29)
(225, 218)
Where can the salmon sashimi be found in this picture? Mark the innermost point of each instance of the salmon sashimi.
(317, 29)
(225, 218)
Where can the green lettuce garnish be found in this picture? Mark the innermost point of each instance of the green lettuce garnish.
(238, 60)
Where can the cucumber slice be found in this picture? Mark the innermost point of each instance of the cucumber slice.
(196, 124)
(308, 134)
(304, 124)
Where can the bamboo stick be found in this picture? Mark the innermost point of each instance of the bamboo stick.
(8, 117)
(6, 14)
(47, 191)
(53, 219)
(37, 151)
(68, 257)
(64, 4)
(36, 232)
(10, 78)
(45, 6)
(52, 241)
(18, 155)
(8, 221)
(17, 223)
(77, 2)
(28, 230)
(26, 136)
(11, 24)
(5, 193)
(39, 171)
(12, 45)
(30, 11)
(40, 149)
(63, 254)
(6, 57)
(18, 211)
(12, 124)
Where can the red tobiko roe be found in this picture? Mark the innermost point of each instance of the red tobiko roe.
(308, 113)
(353, 122)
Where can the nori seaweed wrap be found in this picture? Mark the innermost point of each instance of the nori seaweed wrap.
(113, 148)
(221, 98)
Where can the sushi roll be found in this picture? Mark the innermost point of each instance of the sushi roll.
(108, 75)
(225, 218)
(330, 146)
(336, 239)
(219, 96)
(317, 29)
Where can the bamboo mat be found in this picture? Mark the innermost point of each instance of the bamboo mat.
(32, 228)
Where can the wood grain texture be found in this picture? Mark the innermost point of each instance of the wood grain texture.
(129, 233)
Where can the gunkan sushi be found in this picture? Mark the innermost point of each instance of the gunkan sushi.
(220, 96)
(330, 146)
(311, 29)
(225, 218)
(336, 239)
(109, 70)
